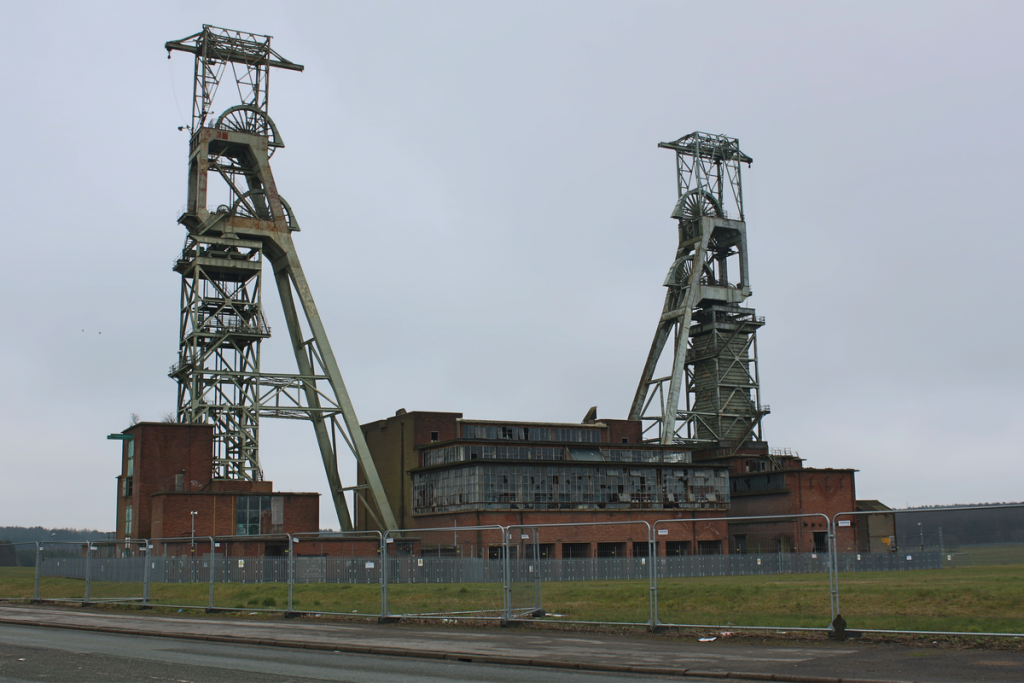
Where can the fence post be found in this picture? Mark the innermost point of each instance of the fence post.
(88, 572)
(212, 576)
(833, 587)
(145, 573)
(384, 612)
(39, 564)
(652, 557)
(506, 578)
(291, 571)
(538, 593)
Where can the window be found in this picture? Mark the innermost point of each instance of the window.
(575, 550)
(130, 466)
(249, 511)
(740, 544)
(127, 484)
(516, 433)
(677, 548)
(641, 548)
(128, 514)
(578, 435)
(440, 456)
(497, 552)
(513, 483)
(821, 541)
(611, 549)
(544, 550)
(709, 547)
(433, 436)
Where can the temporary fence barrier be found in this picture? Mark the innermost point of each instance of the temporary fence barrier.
(952, 571)
(556, 570)
(782, 572)
(413, 558)
(356, 570)
(702, 591)
(20, 565)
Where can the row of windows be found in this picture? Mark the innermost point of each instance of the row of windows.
(248, 513)
(440, 456)
(775, 481)
(568, 434)
(573, 551)
(450, 454)
(486, 486)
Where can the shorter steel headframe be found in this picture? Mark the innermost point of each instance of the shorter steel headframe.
(714, 362)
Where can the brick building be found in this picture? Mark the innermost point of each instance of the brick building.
(441, 470)
(166, 484)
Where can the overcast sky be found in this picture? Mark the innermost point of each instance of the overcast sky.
(485, 222)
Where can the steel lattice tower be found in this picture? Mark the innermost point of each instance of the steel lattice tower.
(222, 324)
(714, 359)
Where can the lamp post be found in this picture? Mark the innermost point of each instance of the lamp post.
(194, 513)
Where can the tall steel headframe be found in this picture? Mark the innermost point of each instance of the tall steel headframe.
(714, 351)
(237, 223)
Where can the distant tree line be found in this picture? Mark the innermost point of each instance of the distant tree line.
(24, 555)
(959, 527)
(31, 534)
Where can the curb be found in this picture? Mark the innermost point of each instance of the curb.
(459, 656)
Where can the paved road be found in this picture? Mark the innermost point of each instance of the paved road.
(514, 647)
(50, 654)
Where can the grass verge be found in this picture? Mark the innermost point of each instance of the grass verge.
(971, 600)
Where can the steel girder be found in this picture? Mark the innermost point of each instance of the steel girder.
(222, 324)
(714, 348)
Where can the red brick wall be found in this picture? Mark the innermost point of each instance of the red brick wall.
(216, 514)
(807, 491)
(163, 450)
(391, 444)
(619, 429)
(445, 424)
(701, 526)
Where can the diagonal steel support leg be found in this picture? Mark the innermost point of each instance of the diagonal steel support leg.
(657, 346)
(323, 438)
(289, 263)
(668, 420)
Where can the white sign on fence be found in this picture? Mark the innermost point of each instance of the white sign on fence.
(369, 565)
(844, 522)
(663, 532)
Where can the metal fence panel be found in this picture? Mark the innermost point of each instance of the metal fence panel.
(933, 570)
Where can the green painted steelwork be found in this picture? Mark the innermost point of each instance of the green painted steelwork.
(222, 323)
(714, 357)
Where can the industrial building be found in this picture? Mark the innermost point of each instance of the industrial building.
(167, 489)
(692, 446)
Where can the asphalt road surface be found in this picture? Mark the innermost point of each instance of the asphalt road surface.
(29, 653)
(84, 644)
